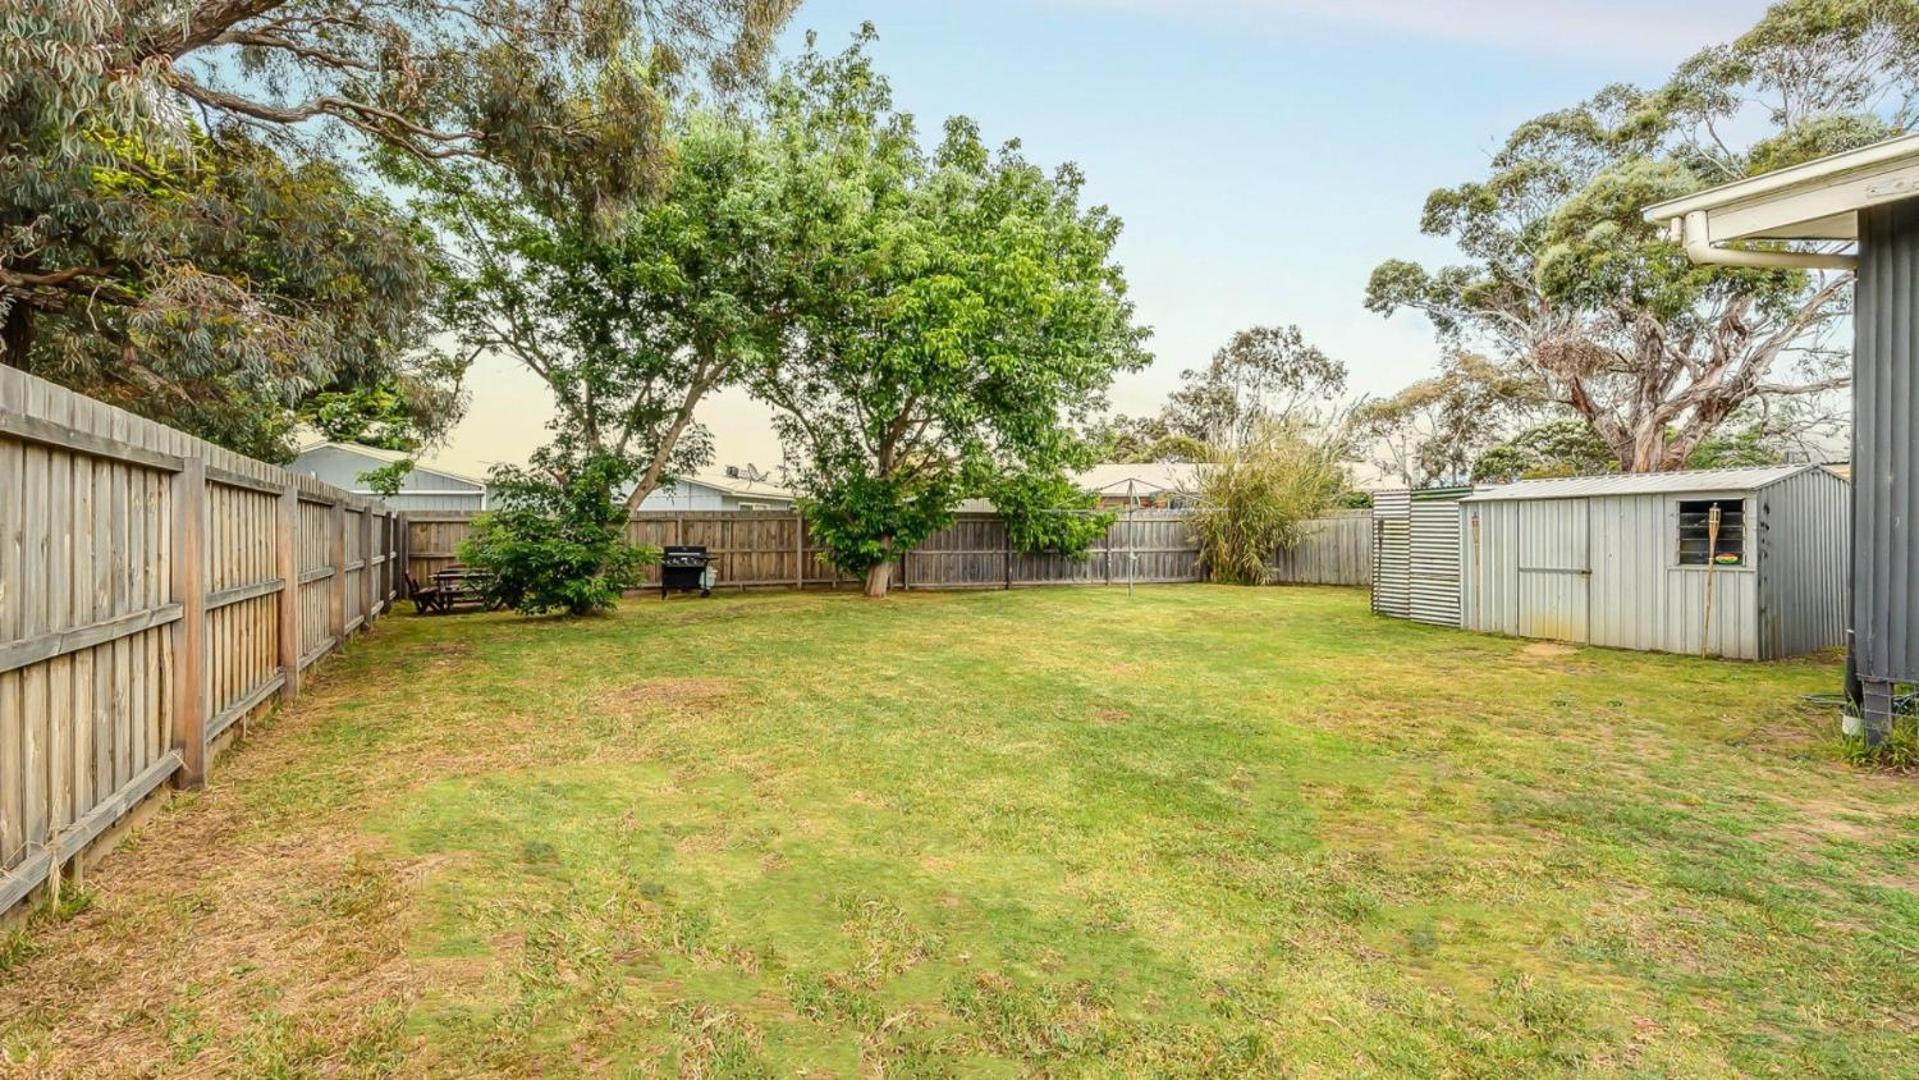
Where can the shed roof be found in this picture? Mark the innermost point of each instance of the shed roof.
(1666, 483)
(1818, 200)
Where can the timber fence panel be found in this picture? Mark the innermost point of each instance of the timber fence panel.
(142, 574)
(758, 549)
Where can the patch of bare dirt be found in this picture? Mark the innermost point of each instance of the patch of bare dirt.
(1548, 650)
(1107, 716)
(671, 694)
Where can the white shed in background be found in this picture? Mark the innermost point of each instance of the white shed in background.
(1633, 561)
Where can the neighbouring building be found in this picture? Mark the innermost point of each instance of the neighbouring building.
(1159, 485)
(426, 489)
(730, 489)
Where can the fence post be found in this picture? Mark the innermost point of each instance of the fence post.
(369, 581)
(287, 553)
(190, 632)
(336, 587)
(1006, 547)
(799, 551)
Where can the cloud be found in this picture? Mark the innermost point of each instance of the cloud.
(1639, 28)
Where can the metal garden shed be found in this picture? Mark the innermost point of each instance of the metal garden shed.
(1416, 554)
(1869, 198)
(1743, 563)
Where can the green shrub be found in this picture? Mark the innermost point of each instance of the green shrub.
(1258, 499)
(558, 541)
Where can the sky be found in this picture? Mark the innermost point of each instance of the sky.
(1264, 155)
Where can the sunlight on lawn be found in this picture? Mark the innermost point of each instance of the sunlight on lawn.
(1201, 829)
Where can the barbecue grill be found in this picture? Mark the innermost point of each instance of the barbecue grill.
(685, 568)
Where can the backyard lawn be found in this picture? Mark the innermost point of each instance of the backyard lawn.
(1200, 829)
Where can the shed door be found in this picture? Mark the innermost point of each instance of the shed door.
(1555, 573)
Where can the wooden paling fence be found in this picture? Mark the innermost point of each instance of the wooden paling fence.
(155, 591)
(778, 550)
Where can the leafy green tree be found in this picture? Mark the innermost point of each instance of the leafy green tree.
(1433, 430)
(1264, 375)
(1563, 447)
(1134, 440)
(1567, 284)
(952, 315)
(558, 542)
(1046, 512)
(629, 323)
(179, 233)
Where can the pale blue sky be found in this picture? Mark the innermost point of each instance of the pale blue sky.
(1265, 155)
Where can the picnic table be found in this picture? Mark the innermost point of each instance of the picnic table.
(450, 587)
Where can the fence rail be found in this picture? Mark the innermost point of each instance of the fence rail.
(778, 550)
(155, 591)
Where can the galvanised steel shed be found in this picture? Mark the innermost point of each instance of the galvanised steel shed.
(1416, 554)
(1869, 198)
(1743, 563)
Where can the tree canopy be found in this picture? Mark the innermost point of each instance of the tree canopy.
(630, 323)
(1566, 284)
(181, 227)
(952, 312)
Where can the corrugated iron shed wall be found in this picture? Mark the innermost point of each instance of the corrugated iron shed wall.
(1433, 545)
(1392, 552)
(1605, 570)
(1802, 581)
(1885, 399)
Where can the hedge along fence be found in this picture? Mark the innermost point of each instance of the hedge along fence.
(155, 592)
(754, 549)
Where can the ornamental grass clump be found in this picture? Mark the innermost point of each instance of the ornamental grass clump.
(1259, 498)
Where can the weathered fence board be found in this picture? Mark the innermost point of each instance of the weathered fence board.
(146, 581)
(778, 549)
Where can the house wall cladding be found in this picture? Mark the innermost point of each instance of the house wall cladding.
(155, 591)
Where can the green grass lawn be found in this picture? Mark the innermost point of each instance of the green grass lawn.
(1198, 830)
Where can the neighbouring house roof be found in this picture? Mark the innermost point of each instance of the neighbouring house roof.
(1666, 483)
(1149, 478)
(374, 453)
(1819, 200)
(735, 485)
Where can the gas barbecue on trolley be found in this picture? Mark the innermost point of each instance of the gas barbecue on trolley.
(684, 569)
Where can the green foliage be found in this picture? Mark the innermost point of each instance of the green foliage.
(1565, 280)
(950, 314)
(558, 541)
(1256, 499)
(866, 521)
(386, 415)
(1264, 375)
(1046, 512)
(387, 479)
(1432, 431)
(629, 322)
(1136, 440)
(181, 230)
(1563, 447)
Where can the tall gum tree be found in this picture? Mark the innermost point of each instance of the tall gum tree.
(181, 229)
(1566, 284)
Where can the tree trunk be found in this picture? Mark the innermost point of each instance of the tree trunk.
(878, 578)
(16, 334)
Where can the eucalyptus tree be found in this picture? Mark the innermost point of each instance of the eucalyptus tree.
(181, 230)
(952, 315)
(1567, 285)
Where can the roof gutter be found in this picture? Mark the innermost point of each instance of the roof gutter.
(1691, 231)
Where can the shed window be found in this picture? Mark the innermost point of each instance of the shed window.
(1697, 547)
